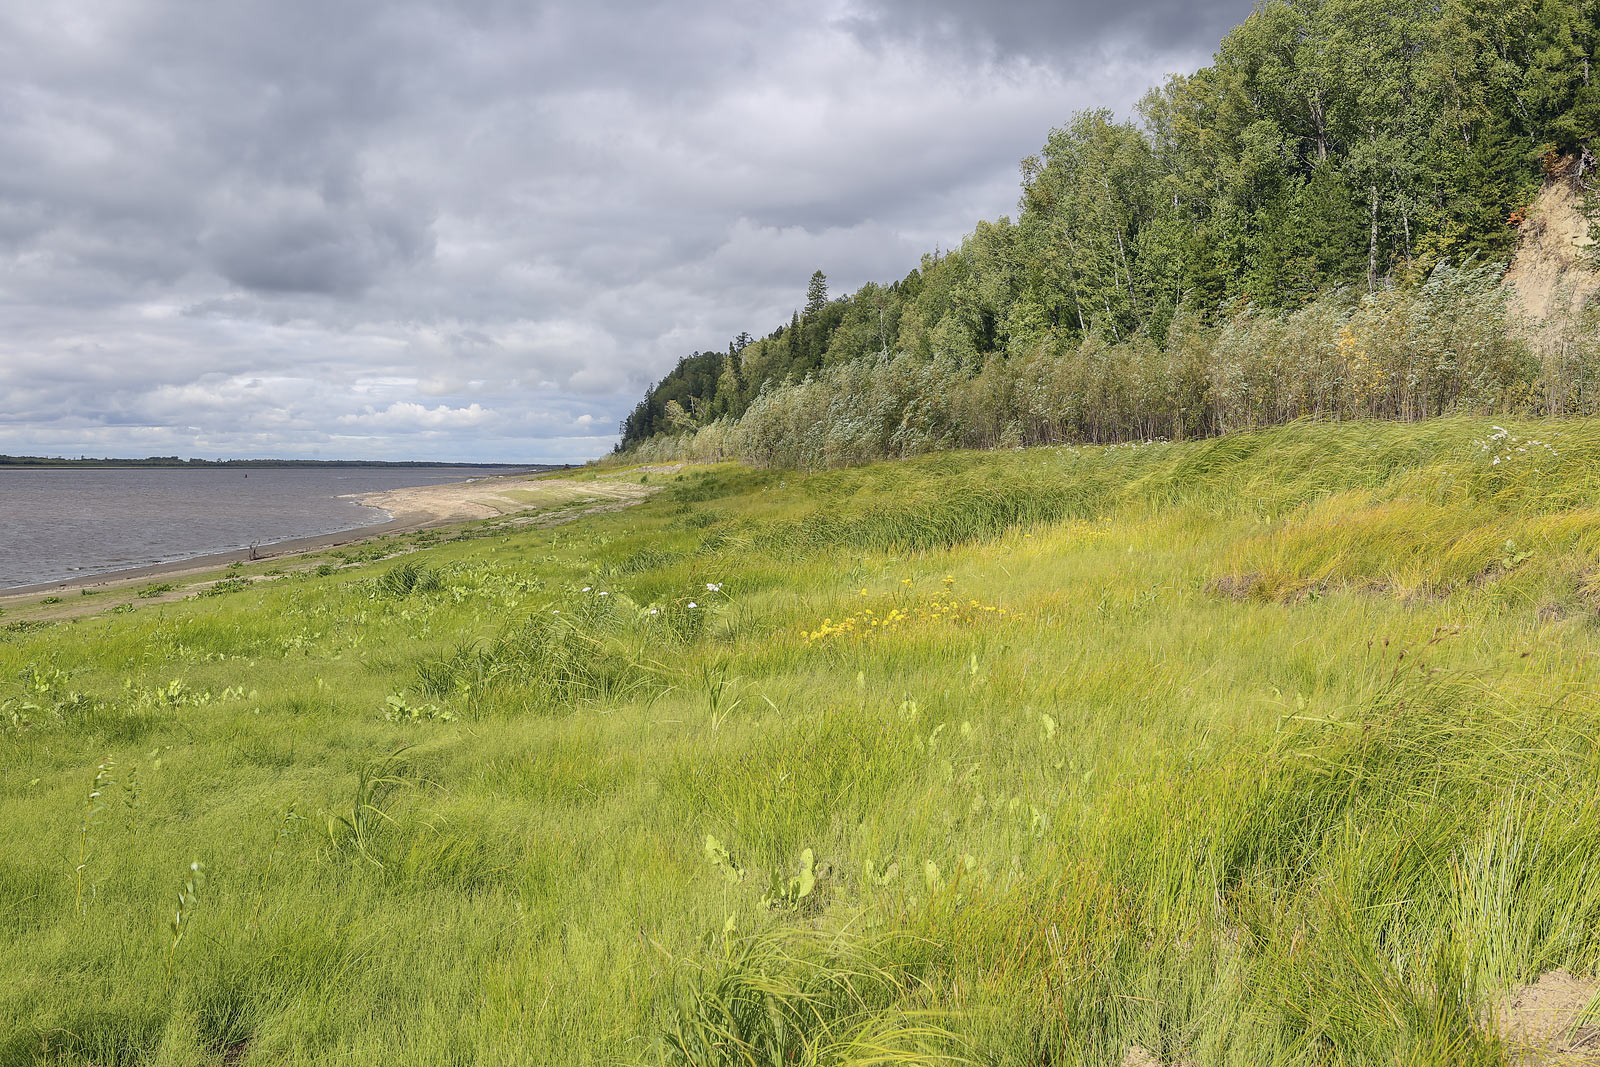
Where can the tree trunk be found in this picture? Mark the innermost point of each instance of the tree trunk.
(1319, 120)
(1372, 249)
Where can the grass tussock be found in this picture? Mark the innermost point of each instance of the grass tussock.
(1268, 749)
(787, 996)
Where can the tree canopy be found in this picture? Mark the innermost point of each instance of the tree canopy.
(1330, 143)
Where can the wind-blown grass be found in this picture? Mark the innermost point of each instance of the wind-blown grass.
(1281, 752)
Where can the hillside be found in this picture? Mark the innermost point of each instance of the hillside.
(1336, 156)
(1277, 748)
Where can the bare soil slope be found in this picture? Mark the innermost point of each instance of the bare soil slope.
(1552, 276)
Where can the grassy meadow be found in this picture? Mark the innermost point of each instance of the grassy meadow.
(1277, 748)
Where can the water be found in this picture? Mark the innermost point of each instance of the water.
(66, 522)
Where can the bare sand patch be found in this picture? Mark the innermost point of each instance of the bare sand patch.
(1139, 1056)
(1543, 1023)
(490, 498)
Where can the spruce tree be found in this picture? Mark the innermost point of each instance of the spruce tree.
(816, 294)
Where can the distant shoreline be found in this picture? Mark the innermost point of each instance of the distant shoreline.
(29, 463)
(294, 546)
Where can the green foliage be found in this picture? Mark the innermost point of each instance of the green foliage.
(94, 807)
(723, 861)
(399, 709)
(1331, 147)
(377, 784)
(784, 997)
(793, 894)
(225, 586)
(404, 579)
(183, 912)
(551, 661)
(1437, 348)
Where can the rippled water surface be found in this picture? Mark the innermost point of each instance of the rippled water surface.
(60, 523)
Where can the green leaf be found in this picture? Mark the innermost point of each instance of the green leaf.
(807, 881)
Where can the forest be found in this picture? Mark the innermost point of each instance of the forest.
(1315, 224)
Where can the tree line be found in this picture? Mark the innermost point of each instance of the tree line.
(176, 461)
(1334, 151)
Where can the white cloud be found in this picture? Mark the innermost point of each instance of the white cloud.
(405, 415)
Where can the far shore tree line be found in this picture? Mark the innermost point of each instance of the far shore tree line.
(1314, 225)
(176, 461)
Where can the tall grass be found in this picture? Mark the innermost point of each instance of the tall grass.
(787, 997)
(1283, 752)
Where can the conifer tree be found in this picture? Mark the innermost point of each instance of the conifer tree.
(816, 294)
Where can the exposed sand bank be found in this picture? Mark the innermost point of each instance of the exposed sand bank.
(488, 498)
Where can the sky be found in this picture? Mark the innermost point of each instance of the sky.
(478, 230)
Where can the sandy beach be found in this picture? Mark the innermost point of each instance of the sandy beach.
(412, 508)
(487, 498)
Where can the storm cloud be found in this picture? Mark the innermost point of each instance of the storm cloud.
(478, 230)
(1055, 31)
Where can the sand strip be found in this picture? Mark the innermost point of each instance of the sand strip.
(413, 508)
(198, 564)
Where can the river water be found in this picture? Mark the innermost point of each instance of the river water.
(67, 522)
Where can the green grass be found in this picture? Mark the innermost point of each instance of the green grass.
(1283, 752)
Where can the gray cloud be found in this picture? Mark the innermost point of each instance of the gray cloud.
(478, 229)
(294, 241)
(1053, 28)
